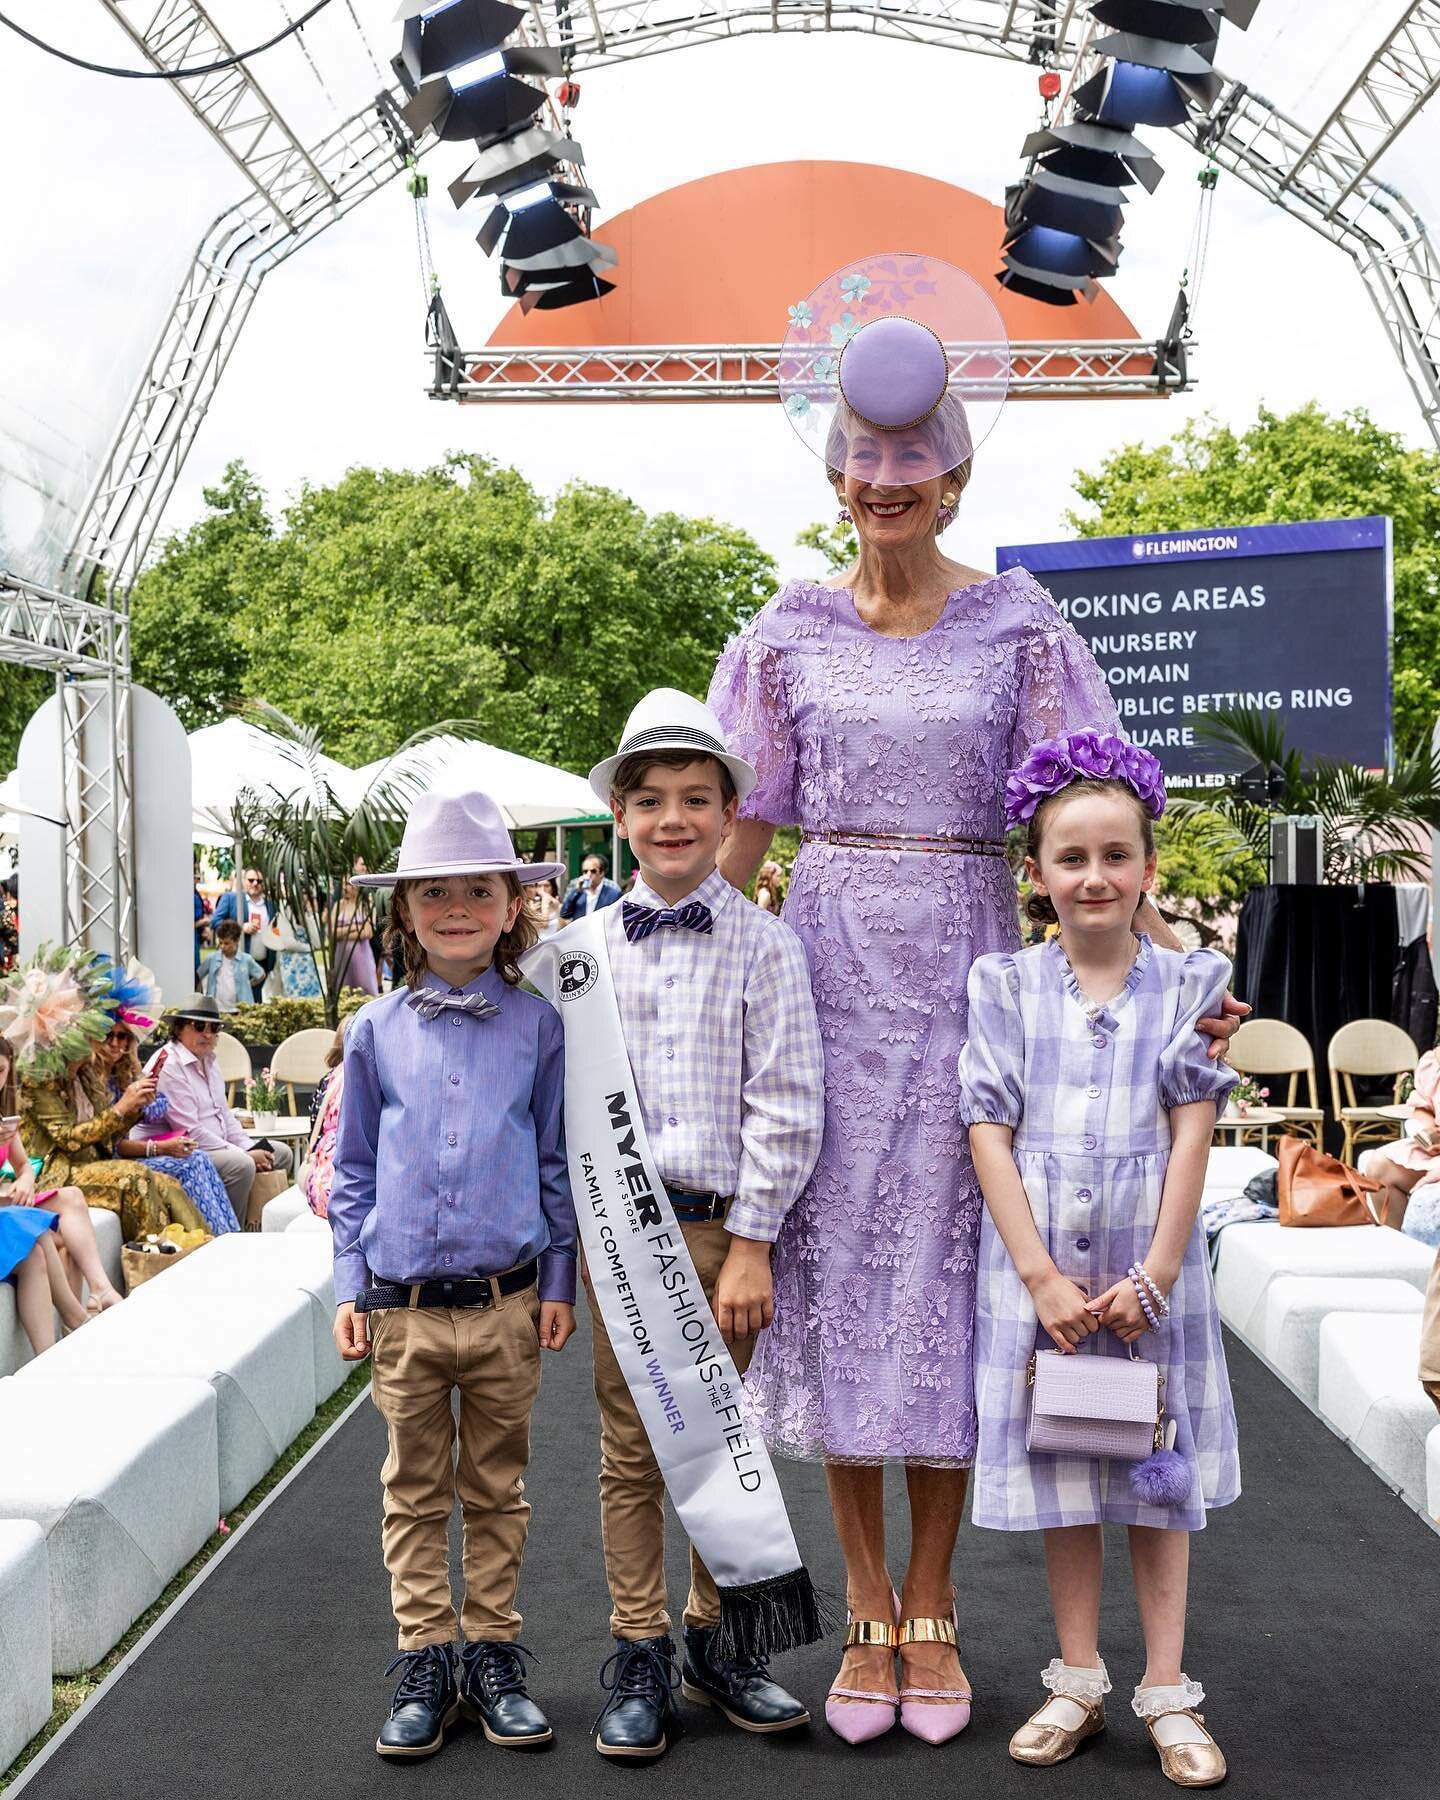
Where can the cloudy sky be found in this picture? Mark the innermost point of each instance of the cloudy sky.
(109, 184)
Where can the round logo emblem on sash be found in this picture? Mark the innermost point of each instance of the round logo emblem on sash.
(578, 974)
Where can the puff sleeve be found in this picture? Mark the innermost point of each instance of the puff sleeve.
(749, 695)
(992, 1063)
(1061, 687)
(1187, 1070)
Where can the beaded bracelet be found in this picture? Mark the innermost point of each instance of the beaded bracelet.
(1162, 1304)
(1161, 1300)
(1145, 1306)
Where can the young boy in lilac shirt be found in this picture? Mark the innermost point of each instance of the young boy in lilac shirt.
(455, 1257)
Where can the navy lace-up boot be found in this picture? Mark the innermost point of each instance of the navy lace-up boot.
(426, 1702)
(492, 1690)
(640, 1716)
(740, 1686)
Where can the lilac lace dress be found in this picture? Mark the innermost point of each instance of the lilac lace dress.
(870, 1355)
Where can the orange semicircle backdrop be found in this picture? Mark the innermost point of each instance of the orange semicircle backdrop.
(721, 259)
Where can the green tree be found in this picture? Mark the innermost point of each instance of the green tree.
(21, 691)
(1301, 465)
(393, 598)
(187, 632)
(835, 541)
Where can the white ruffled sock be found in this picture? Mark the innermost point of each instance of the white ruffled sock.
(1075, 1690)
(1165, 1708)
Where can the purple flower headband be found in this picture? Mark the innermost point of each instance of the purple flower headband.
(1082, 756)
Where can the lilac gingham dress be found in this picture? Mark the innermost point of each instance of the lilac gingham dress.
(870, 1355)
(1087, 1092)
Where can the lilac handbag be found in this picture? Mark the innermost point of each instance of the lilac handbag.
(1091, 1404)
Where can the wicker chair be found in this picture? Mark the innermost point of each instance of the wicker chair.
(1368, 1047)
(301, 1058)
(232, 1059)
(1271, 1047)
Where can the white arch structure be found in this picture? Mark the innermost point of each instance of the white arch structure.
(1324, 176)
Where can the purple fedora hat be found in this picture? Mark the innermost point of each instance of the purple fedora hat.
(458, 834)
(895, 368)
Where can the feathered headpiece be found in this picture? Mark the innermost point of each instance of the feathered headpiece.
(53, 1012)
(134, 998)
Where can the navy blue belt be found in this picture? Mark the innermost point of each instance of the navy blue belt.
(697, 1209)
(481, 1291)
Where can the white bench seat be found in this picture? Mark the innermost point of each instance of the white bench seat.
(15, 1349)
(122, 1478)
(254, 1262)
(1370, 1392)
(282, 1209)
(25, 1645)
(1251, 1256)
(1295, 1305)
(256, 1350)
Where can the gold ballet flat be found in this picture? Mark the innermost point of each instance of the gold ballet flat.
(1040, 1744)
(1190, 1765)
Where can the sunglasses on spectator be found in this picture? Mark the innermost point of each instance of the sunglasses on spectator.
(204, 1025)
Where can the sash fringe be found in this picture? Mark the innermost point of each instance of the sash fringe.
(782, 1612)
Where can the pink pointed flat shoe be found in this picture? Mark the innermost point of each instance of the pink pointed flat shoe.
(859, 1715)
(934, 1715)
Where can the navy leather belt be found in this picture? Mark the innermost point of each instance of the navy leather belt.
(481, 1291)
(696, 1209)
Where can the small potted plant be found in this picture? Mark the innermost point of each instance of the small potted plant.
(1247, 1096)
(263, 1099)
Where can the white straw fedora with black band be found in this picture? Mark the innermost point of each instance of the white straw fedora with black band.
(666, 719)
(458, 834)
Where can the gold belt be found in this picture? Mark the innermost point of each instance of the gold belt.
(870, 840)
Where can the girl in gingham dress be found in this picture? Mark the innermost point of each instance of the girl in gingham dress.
(1091, 1101)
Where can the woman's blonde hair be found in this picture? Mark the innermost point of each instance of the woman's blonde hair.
(407, 956)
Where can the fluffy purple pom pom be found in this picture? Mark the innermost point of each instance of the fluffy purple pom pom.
(1162, 1479)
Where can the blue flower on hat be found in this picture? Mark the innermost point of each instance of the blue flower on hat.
(841, 334)
(797, 405)
(855, 287)
(801, 316)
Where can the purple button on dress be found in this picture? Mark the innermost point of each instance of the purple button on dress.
(870, 1355)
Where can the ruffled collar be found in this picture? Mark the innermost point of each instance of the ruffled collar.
(1105, 1011)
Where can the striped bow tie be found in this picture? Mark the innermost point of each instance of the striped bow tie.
(430, 1003)
(640, 921)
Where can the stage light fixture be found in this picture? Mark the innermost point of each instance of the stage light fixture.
(1030, 204)
(1161, 42)
(461, 71)
(516, 162)
(1092, 138)
(437, 39)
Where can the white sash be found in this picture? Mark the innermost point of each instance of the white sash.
(665, 1338)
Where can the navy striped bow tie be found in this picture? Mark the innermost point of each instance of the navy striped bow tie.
(431, 1002)
(640, 921)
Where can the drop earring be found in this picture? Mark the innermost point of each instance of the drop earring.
(844, 516)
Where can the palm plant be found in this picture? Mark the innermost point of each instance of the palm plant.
(1375, 825)
(306, 842)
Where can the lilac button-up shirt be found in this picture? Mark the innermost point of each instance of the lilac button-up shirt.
(196, 1093)
(450, 1156)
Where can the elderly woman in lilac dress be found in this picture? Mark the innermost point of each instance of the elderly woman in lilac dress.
(882, 712)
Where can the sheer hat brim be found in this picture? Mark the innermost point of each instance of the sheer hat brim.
(895, 368)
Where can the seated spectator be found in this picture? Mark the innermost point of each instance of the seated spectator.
(191, 1084)
(30, 1221)
(231, 977)
(1412, 1163)
(168, 1151)
(324, 1125)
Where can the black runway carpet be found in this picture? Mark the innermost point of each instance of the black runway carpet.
(1315, 1627)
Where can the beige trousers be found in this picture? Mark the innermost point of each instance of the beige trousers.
(632, 1490)
(419, 1357)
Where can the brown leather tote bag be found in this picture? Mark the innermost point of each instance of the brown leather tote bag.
(1316, 1189)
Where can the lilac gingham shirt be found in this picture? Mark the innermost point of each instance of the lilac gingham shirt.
(722, 1036)
(450, 1156)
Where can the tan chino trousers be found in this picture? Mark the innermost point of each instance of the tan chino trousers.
(419, 1357)
(632, 1489)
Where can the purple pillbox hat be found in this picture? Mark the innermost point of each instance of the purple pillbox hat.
(894, 369)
